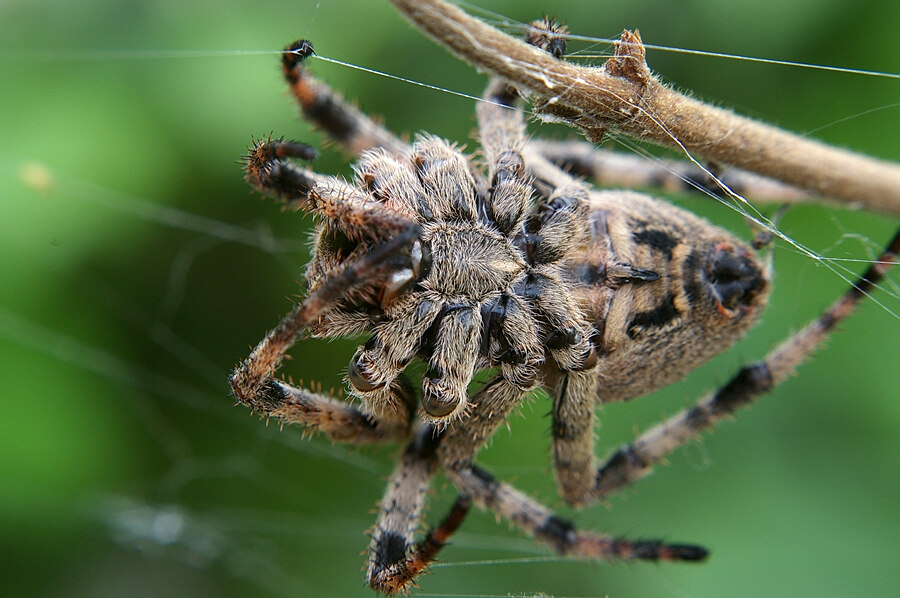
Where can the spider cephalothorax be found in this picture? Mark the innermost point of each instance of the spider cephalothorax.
(508, 264)
(476, 293)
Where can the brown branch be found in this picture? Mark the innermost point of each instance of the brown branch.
(623, 96)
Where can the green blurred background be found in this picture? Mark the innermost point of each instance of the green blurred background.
(135, 278)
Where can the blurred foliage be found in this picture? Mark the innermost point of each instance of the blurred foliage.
(138, 268)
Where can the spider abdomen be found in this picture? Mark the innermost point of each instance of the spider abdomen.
(665, 289)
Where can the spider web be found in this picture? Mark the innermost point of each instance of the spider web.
(139, 269)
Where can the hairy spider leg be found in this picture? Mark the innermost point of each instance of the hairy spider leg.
(253, 383)
(453, 448)
(634, 461)
(402, 574)
(267, 169)
(496, 399)
(539, 522)
(394, 558)
(616, 169)
(330, 112)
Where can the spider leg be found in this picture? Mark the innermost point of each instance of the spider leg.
(493, 404)
(330, 112)
(394, 560)
(538, 521)
(453, 355)
(632, 462)
(267, 169)
(617, 169)
(336, 419)
(253, 383)
(379, 362)
(423, 553)
(574, 463)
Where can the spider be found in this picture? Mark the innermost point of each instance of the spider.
(510, 264)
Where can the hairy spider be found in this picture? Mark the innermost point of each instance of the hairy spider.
(506, 263)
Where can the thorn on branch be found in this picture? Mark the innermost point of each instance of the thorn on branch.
(630, 60)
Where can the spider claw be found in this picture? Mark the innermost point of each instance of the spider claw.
(297, 52)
